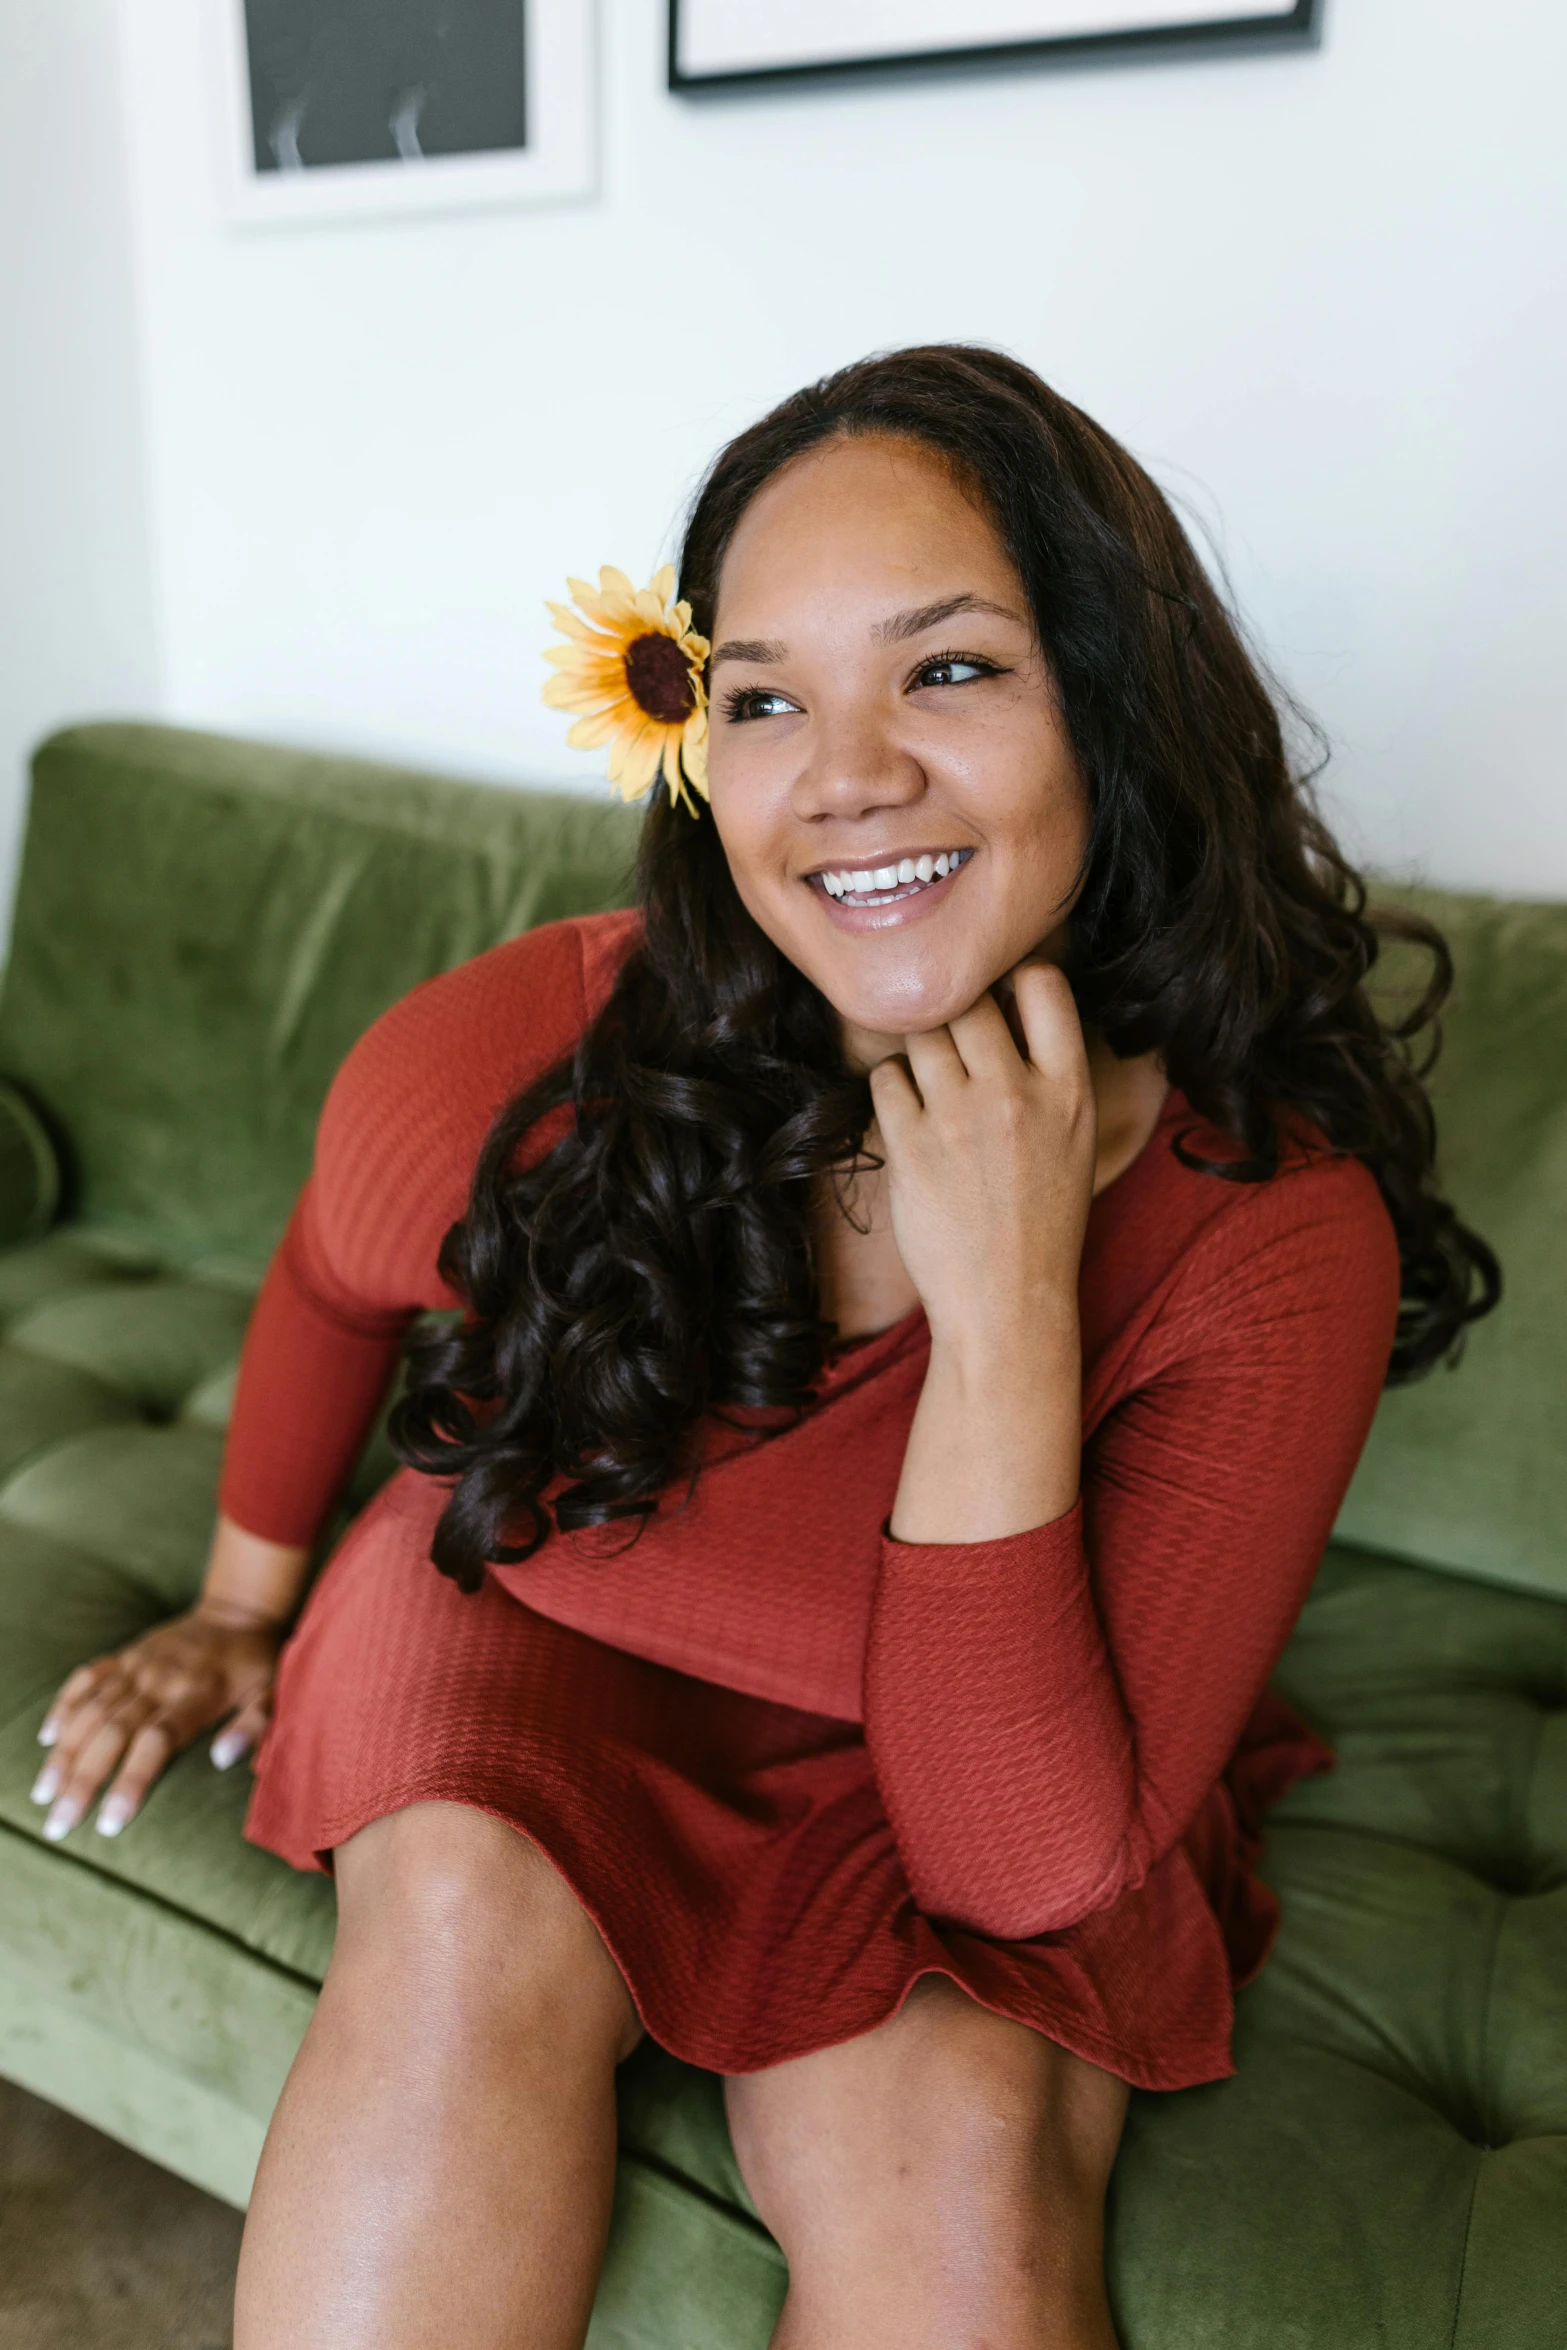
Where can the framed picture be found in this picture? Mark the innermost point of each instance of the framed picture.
(334, 109)
(726, 44)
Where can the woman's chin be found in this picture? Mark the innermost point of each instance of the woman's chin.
(875, 1021)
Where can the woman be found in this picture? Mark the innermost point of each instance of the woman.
(929, 1274)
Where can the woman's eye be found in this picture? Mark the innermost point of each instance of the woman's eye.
(752, 701)
(952, 669)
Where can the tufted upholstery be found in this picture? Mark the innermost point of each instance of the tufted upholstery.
(1388, 2169)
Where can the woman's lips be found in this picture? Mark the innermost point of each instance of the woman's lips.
(886, 909)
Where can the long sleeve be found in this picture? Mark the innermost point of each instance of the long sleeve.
(1046, 1714)
(318, 1362)
(399, 1135)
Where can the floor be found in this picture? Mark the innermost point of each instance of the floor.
(100, 2250)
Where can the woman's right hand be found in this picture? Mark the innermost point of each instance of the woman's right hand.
(129, 1714)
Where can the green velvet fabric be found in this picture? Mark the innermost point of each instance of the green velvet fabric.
(1469, 1471)
(202, 929)
(29, 1171)
(1388, 2170)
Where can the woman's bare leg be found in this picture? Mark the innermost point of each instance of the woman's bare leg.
(938, 2182)
(440, 2166)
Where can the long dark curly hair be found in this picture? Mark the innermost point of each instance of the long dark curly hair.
(637, 1250)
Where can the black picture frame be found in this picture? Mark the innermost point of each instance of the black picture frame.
(1301, 28)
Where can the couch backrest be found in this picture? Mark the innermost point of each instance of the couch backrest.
(1468, 1468)
(203, 927)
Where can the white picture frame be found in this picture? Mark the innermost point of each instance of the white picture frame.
(558, 164)
(717, 45)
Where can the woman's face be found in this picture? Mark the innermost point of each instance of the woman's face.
(881, 708)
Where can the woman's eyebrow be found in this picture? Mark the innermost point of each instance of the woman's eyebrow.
(906, 624)
(768, 651)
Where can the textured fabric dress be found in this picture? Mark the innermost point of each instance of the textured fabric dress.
(787, 1763)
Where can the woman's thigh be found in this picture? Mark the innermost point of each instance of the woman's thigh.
(940, 2179)
(441, 2164)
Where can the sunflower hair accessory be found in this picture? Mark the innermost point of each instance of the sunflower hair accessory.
(636, 676)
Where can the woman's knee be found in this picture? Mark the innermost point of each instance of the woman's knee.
(946, 2118)
(463, 1921)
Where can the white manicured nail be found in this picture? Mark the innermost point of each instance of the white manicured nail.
(61, 1821)
(228, 1748)
(48, 1733)
(113, 1813)
(47, 1784)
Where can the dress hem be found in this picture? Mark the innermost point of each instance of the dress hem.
(671, 2033)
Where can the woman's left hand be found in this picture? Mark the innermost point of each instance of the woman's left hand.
(990, 1167)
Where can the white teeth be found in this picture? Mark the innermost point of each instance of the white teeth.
(861, 881)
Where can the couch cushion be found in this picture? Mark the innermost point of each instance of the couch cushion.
(177, 1000)
(1468, 1469)
(1388, 2169)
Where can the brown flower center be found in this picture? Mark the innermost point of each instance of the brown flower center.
(659, 675)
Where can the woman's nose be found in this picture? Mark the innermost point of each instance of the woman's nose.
(855, 767)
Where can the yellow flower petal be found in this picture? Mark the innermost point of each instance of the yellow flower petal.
(578, 656)
(610, 678)
(572, 622)
(615, 583)
(608, 611)
(589, 734)
(638, 762)
(662, 583)
(693, 752)
(569, 693)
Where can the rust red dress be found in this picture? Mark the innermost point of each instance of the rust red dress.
(786, 1763)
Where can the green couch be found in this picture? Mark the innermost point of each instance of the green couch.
(202, 928)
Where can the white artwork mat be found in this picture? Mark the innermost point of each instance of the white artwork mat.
(558, 162)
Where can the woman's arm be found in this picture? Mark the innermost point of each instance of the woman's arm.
(1051, 1689)
(990, 1171)
(319, 1355)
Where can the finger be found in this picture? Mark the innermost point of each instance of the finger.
(897, 1101)
(245, 1731)
(146, 1755)
(1048, 1011)
(984, 1040)
(70, 1694)
(936, 1062)
(76, 1727)
(93, 1765)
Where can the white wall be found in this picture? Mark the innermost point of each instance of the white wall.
(1319, 294)
(78, 617)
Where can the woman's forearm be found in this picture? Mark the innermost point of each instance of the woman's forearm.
(996, 1444)
(250, 1580)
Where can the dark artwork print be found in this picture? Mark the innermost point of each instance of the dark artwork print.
(378, 81)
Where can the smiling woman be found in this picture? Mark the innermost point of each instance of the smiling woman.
(925, 1290)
